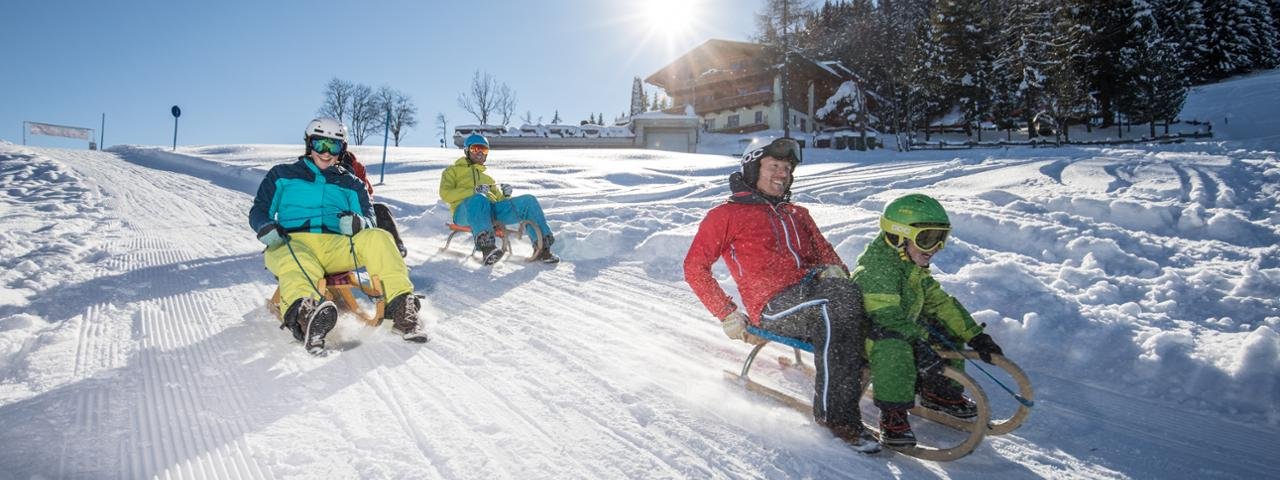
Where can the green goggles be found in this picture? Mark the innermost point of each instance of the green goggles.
(926, 238)
(326, 145)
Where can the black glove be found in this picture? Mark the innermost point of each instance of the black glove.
(350, 223)
(985, 346)
(928, 363)
(272, 234)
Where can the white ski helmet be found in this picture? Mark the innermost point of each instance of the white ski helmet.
(327, 128)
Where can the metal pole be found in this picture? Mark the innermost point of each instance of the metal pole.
(175, 133)
(24, 132)
(102, 132)
(786, 53)
(385, 133)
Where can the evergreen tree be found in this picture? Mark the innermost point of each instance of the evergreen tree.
(1020, 69)
(961, 58)
(1241, 37)
(555, 120)
(637, 96)
(1181, 24)
(1154, 88)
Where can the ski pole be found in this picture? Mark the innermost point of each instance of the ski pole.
(1023, 400)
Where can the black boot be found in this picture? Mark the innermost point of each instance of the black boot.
(403, 312)
(895, 430)
(310, 320)
(949, 401)
(857, 437)
(544, 254)
(489, 252)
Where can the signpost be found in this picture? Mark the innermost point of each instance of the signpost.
(177, 112)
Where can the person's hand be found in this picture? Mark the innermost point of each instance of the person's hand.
(735, 325)
(833, 271)
(272, 234)
(506, 189)
(928, 363)
(349, 223)
(482, 189)
(985, 346)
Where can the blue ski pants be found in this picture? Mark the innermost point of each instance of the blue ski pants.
(479, 213)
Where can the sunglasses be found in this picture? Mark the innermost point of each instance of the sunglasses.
(326, 145)
(781, 149)
(478, 149)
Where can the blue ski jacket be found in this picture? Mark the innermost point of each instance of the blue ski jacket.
(302, 198)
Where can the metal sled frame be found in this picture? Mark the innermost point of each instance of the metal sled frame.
(338, 288)
(502, 232)
(974, 427)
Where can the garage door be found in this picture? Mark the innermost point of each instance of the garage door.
(669, 141)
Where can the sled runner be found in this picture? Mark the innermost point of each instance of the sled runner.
(338, 288)
(975, 428)
(502, 232)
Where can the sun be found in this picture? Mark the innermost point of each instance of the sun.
(669, 18)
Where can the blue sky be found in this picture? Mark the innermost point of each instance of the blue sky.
(254, 72)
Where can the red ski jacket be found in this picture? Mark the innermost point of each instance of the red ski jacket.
(358, 169)
(767, 248)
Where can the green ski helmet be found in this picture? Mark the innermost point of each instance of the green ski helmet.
(917, 218)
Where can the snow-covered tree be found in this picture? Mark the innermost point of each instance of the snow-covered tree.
(1154, 88)
(637, 96)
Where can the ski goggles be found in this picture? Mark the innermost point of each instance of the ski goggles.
(478, 149)
(326, 145)
(929, 238)
(781, 149)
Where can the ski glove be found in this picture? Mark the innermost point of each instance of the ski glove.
(928, 363)
(506, 189)
(985, 346)
(349, 223)
(272, 234)
(833, 271)
(482, 189)
(735, 325)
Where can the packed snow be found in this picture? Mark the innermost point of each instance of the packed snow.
(1138, 286)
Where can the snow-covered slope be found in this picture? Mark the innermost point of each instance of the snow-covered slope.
(1137, 286)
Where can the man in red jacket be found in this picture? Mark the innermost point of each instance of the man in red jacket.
(780, 260)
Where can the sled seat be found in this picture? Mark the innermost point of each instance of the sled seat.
(975, 428)
(338, 287)
(501, 231)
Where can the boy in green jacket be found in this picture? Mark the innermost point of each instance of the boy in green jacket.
(906, 307)
(476, 200)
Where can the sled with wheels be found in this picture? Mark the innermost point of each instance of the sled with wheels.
(504, 235)
(339, 288)
(975, 428)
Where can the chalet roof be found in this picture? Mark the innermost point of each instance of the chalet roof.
(717, 52)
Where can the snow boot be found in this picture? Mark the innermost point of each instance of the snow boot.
(895, 430)
(544, 255)
(949, 401)
(489, 252)
(857, 437)
(310, 320)
(403, 312)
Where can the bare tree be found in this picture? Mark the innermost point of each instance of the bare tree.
(403, 113)
(442, 127)
(365, 113)
(506, 103)
(527, 118)
(337, 99)
(488, 98)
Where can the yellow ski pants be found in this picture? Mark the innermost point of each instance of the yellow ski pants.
(320, 254)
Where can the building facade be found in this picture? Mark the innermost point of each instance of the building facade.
(729, 86)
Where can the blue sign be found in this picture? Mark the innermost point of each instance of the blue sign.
(177, 112)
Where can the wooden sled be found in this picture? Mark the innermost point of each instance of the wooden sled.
(338, 288)
(975, 428)
(502, 232)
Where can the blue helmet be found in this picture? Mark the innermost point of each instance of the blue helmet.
(474, 139)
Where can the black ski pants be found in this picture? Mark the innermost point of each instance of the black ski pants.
(835, 329)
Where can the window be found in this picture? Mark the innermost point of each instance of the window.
(760, 117)
(802, 125)
(732, 122)
(711, 124)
